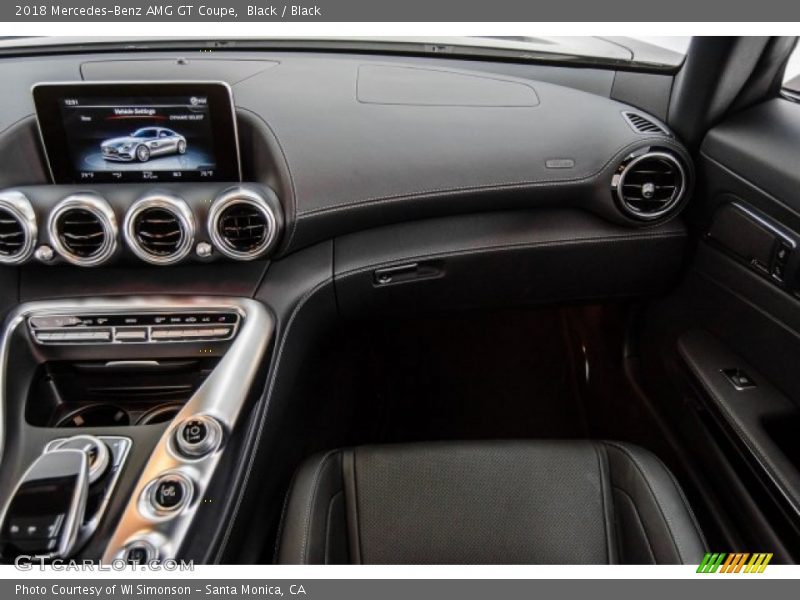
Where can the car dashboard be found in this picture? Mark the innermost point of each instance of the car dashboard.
(162, 319)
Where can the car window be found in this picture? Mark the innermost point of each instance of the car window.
(791, 77)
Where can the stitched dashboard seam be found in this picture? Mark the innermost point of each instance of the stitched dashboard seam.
(501, 186)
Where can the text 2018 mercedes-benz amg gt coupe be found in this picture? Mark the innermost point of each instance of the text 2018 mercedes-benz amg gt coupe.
(143, 144)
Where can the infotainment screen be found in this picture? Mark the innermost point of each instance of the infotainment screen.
(133, 132)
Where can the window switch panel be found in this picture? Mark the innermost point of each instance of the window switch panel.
(739, 379)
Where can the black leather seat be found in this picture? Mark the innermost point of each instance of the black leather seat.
(521, 502)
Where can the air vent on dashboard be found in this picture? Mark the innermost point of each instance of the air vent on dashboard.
(242, 224)
(17, 228)
(642, 124)
(650, 185)
(160, 229)
(83, 229)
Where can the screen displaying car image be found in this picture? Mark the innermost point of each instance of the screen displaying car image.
(139, 139)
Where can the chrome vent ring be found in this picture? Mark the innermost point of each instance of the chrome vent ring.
(159, 229)
(242, 224)
(18, 229)
(83, 229)
(650, 186)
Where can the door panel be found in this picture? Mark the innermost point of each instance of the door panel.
(734, 320)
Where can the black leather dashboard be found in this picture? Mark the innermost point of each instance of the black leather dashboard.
(484, 187)
(360, 142)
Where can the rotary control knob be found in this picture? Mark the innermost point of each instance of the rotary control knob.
(139, 552)
(198, 436)
(170, 493)
(96, 449)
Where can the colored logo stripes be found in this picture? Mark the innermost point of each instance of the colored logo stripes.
(735, 562)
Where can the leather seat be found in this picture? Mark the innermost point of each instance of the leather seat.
(526, 502)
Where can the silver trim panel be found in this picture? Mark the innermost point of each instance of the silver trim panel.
(20, 208)
(100, 208)
(118, 334)
(231, 197)
(175, 206)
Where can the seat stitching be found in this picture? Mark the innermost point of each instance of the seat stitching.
(641, 522)
(606, 524)
(684, 499)
(652, 493)
(328, 524)
(357, 524)
(311, 502)
(282, 524)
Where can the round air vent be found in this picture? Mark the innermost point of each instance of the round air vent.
(649, 186)
(241, 224)
(83, 230)
(160, 229)
(17, 228)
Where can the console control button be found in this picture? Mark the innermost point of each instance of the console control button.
(139, 553)
(194, 432)
(131, 335)
(170, 493)
(197, 436)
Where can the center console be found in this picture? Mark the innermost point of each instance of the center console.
(117, 403)
(116, 414)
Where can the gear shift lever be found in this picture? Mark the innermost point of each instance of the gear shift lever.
(46, 510)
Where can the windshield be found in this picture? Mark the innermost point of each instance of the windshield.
(662, 51)
(143, 133)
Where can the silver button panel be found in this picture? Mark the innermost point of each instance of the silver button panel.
(134, 328)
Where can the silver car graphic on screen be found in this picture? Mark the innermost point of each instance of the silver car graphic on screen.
(144, 144)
